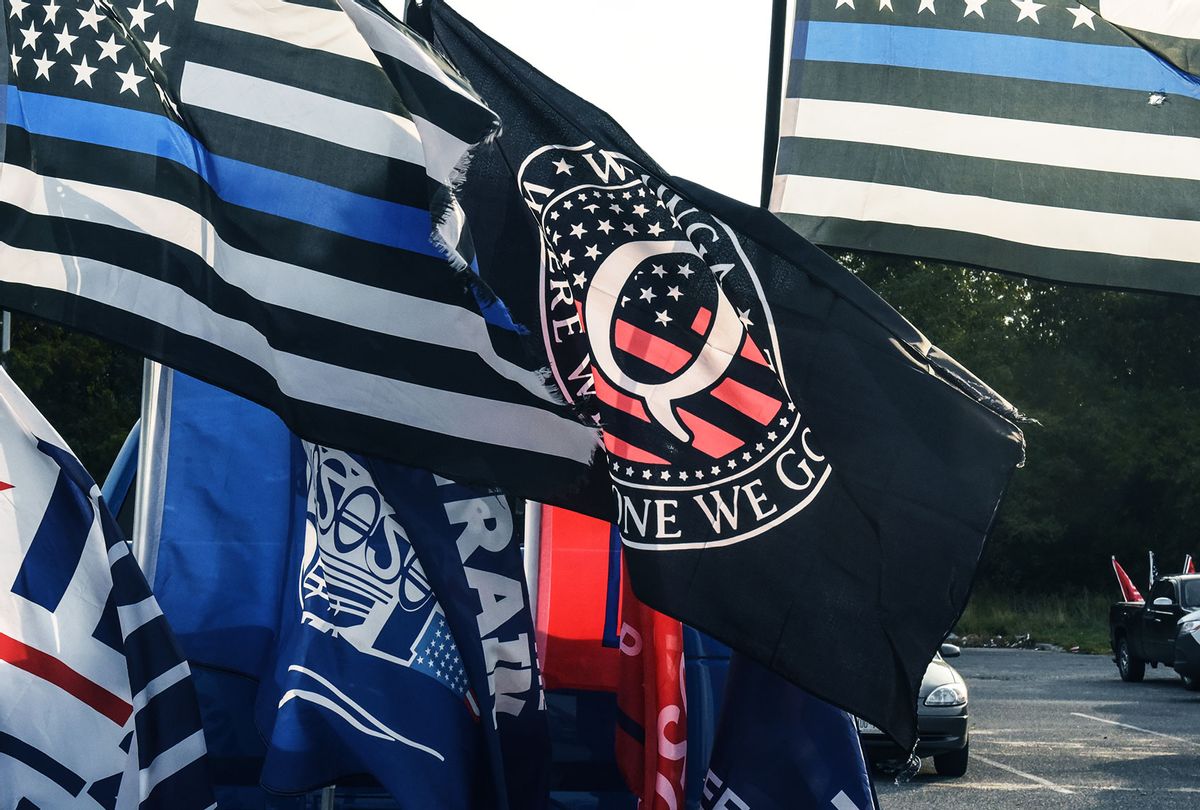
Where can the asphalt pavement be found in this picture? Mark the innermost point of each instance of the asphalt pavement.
(1056, 730)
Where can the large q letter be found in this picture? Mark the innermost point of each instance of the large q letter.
(708, 367)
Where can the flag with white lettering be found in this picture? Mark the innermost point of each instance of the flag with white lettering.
(792, 465)
(778, 748)
(378, 648)
(261, 194)
(1055, 139)
(97, 706)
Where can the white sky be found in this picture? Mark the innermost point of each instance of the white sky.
(686, 78)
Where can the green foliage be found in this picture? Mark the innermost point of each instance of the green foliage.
(1113, 382)
(89, 390)
(1067, 618)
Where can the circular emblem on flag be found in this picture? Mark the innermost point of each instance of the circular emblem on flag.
(657, 328)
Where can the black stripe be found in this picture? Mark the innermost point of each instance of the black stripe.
(129, 584)
(1031, 182)
(631, 727)
(428, 98)
(1073, 267)
(525, 473)
(43, 763)
(293, 153)
(1100, 107)
(285, 240)
(189, 788)
(149, 652)
(317, 71)
(170, 716)
(1000, 17)
(108, 629)
(291, 331)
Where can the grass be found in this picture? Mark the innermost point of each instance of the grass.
(1068, 620)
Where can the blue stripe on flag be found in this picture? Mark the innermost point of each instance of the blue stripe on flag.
(56, 548)
(1004, 55)
(235, 182)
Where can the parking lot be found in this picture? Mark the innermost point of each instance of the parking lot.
(1054, 730)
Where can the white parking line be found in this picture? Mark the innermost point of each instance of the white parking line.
(1135, 728)
(1046, 783)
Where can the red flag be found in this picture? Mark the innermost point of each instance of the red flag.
(1129, 591)
(652, 703)
(1189, 567)
(578, 604)
(595, 634)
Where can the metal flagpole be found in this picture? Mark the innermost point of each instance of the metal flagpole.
(776, 70)
(5, 338)
(533, 552)
(151, 466)
(327, 796)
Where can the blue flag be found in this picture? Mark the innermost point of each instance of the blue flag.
(337, 582)
(779, 747)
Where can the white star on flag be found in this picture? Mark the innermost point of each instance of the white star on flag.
(91, 18)
(156, 49)
(30, 35)
(130, 81)
(16, 8)
(1029, 10)
(52, 12)
(562, 167)
(841, 3)
(927, 5)
(1083, 16)
(65, 40)
(140, 15)
(110, 49)
(886, 4)
(43, 67)
(83, 71)
(974, 7)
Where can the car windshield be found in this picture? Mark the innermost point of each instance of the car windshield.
(1190, 593)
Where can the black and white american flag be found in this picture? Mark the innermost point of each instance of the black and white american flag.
(261, 194)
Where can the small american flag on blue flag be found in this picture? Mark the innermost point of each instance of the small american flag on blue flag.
(97, 706)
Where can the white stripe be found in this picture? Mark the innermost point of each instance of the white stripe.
(118, 551)
(160, 684)
(843, 802)
(981, 136)
(134, 616)
(171, 761)
(1035, 779)
(274, 282)
(1136, 728)
(303, 26)
(1174, 18)
(1039, 225)
(292, 108)
(449, 413)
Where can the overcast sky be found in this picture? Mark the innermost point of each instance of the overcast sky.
(686, 78)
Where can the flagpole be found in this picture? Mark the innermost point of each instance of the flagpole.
(533, 552)
(151, 465)
(775, 73)
(5, 338)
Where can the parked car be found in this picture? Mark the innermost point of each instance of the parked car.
(941, 721)
(1164, 630)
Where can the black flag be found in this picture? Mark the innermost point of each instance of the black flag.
(794, 468)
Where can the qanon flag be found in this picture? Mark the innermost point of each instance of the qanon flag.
(792, 466)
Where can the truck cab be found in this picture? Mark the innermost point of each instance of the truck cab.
(1149, 633)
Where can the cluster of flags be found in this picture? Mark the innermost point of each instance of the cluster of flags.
(1130, 592)
(420, 272)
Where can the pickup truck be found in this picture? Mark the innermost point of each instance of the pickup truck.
(1163, 630)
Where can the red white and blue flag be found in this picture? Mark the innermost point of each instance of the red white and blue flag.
(97, 707)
